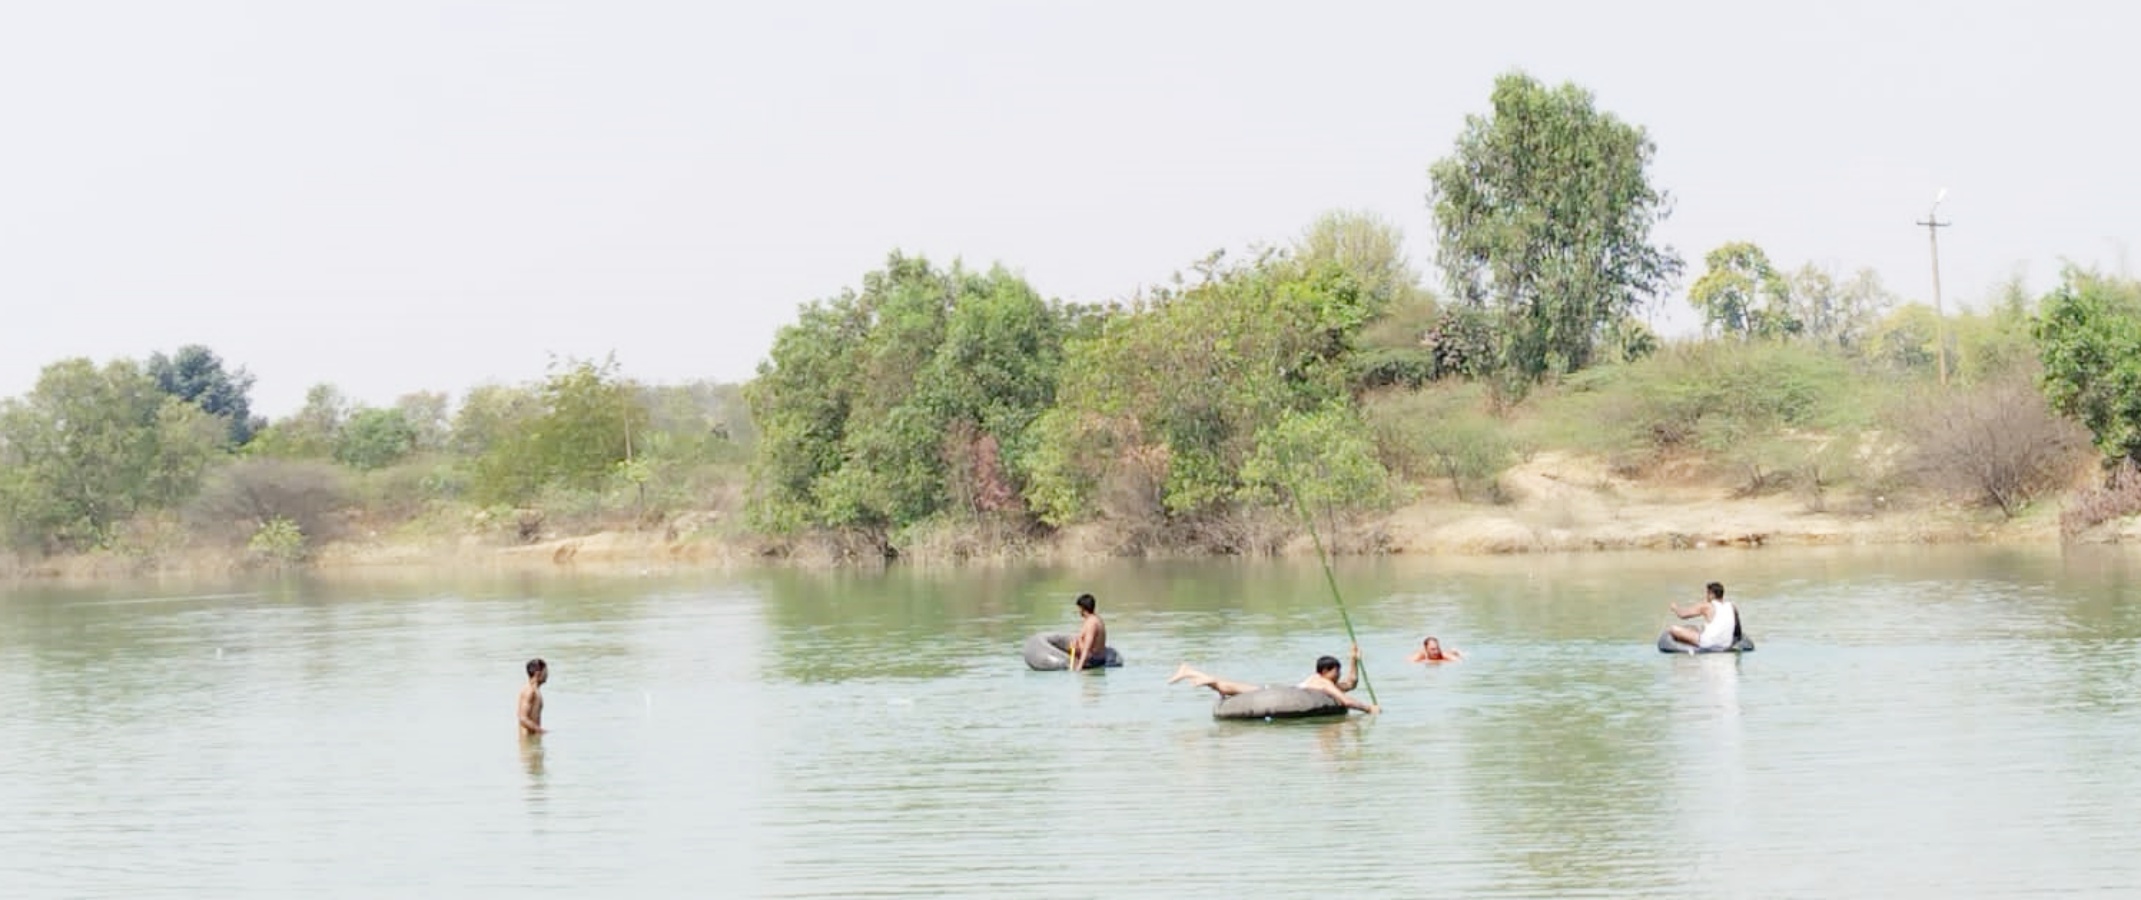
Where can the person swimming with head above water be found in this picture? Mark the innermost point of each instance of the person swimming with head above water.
(1432, 651)
(1330, 678)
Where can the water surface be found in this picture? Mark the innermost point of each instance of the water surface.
(1921, 722)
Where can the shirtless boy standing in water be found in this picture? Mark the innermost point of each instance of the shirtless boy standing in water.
(531, 698)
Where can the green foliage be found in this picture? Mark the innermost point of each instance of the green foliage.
(312, 433)
(1630, 340)
(1393, 367)
(1323, 459)
(279, 542)
(2088, 334)
(1905, 340)
(1543, 218)
(1367, 248)
(1723, 399)
(859, 405)
(490, 415)
(418, 485)
(589, 417)
(1741, 294)
(1443, 433)
(1463, 343)
(1996, 344)
(90, 447)
(1179, 389)
(375, 439)
(195, 374)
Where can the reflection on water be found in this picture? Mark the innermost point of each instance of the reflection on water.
(1340, 741)
(1922, 723)
(531, 760)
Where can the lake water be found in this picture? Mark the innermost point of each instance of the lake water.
(1916, 722)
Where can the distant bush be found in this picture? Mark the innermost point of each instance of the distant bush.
(1322, 460)
(279, 542)
(1462, 343)
(1409, 367)
(2000, 443)
(1443, 434)
(407, 489)
(374, 439)
(243, 497)
(1727, 400)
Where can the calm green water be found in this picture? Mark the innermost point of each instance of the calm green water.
(1915, 723)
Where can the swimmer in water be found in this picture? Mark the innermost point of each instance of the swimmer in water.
(1330, 678)
(531, 699)
(1431, 652)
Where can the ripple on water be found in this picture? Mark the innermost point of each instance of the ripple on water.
(1909, 727)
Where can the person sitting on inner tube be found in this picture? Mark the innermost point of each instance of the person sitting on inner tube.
(1721, 624)
(1092, 641)
(1431, 652)
(1330, 678)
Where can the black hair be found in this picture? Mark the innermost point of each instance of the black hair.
(1326, 663)
(1717, 591)
(1085, 602)
(536, 665)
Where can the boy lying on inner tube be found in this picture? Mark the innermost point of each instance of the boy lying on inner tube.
(1330, 678)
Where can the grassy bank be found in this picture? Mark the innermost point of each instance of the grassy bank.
(1698, 447)
(1725, 442)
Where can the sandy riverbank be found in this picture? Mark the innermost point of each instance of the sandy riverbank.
(1551, 504)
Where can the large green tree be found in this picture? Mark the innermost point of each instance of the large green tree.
(90, 447)
(589, 417)
(1543, 217)
(198, 376)
(1740, 294)
(312, 432)
(489, 415)
(1160, 412)
(912, 397)
(375, 438)
(2088, 334)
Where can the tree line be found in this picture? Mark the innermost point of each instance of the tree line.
(106, 457)
(1318, 373)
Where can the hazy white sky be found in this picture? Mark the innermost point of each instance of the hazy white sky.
(394, 196)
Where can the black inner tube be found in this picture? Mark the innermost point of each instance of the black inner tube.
(1050, 652)
(1278, 703)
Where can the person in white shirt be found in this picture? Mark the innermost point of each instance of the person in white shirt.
(1721, 622)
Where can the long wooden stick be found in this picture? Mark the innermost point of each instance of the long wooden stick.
(1293, 487)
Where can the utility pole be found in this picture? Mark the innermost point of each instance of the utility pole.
(1933, 225)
